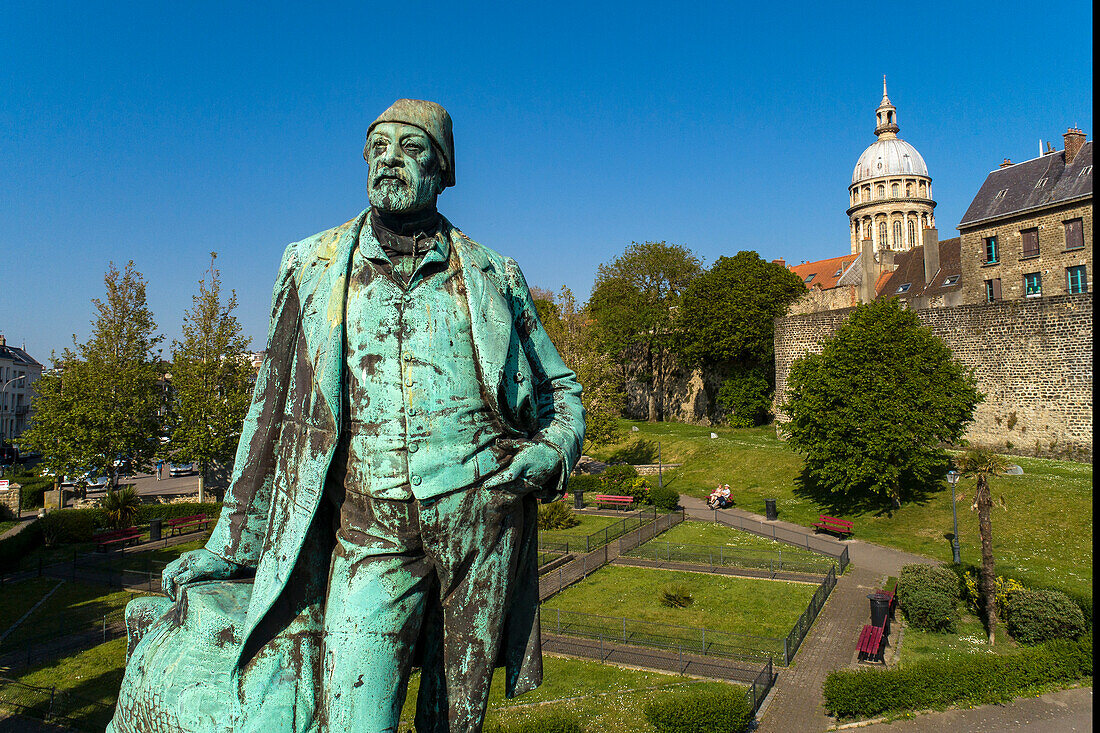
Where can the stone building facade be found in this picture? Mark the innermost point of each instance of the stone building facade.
(890, 195)
(1028, 231)
(18, 373)
(1032, 359)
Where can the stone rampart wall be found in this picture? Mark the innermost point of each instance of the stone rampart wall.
(1032, 359)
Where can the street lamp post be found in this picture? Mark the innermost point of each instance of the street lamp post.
(953, 478)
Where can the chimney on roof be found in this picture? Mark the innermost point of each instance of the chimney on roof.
(1050, 149)
(779, 262)
(3, 341)
(1005, 163)
(868, 272)
(1074, 140)
(931, 239)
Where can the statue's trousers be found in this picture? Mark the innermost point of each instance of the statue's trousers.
(435, 576)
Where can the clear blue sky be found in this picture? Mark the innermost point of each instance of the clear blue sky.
(161, 131)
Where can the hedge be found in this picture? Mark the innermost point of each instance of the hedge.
(962, 679)
(664, 498)
(1034, 616)
(928, 596)
(584, 482)
(708, 711)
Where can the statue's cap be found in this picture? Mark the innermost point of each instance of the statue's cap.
(433, 120)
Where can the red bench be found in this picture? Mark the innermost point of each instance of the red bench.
(617, 502)
(180, 525)
(841, 527)
(871, 644)
(118, 537)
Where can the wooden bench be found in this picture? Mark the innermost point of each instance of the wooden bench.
(841, 527)
(616, 502)
(180, 525)
(870, 644)
(118, 537)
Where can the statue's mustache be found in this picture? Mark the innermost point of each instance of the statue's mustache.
(392, 174)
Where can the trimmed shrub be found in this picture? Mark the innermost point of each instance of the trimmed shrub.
(618, 479)
(928, 597)
(15, 548)
(68, 526)
(584, 482)
(557, 515)
(977, 679)
(1035, 616)
(556, 722)
(664, 498)
(693, 711)
(170, 511)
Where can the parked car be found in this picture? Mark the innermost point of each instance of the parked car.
(181, 469)
(88, 480)
(124, 466)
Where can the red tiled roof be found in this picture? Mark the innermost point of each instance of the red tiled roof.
(825, 272)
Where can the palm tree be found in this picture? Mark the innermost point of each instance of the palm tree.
(121, 507)
(983, 465)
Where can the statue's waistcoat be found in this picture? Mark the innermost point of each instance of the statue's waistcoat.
(415, 420)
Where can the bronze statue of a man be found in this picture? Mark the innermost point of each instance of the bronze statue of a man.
(382, 510)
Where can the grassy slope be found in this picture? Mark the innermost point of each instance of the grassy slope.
(589, 523)
(73, 607)
(94, 674)
(736, 605)
(1044, 535)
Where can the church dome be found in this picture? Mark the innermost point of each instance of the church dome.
(889, 157)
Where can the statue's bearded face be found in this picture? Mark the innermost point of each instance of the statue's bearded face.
(405, 175)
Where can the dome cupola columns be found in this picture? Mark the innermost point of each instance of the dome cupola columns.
(891, 190)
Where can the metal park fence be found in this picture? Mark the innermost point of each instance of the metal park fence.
(768, 562)
(52, 705)
(584, 565)
(60, 636)
(806, 620)
(138, 571)
(836, 550)
(561, 542)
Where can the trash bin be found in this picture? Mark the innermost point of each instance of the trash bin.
(154, 529)
(578, 500)
(769, 509)
(880, 609)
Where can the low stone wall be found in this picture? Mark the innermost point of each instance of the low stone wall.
(10, 500)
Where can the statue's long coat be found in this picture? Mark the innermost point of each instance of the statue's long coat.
(274, 506)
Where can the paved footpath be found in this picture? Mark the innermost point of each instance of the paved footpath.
(1064, 711)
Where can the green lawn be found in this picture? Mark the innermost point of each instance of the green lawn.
(156, 559)
(1044, 535)
(604, 697)
(94, 674)
(917, 645)
(18, 598)
(6, 525)
(73, 607)
(725, 603)
(693, 532)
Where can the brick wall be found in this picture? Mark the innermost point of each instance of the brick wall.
(1032, 359)
(1051, 262)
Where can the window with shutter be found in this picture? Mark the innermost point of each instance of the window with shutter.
(1075, 234)
(1030, 239)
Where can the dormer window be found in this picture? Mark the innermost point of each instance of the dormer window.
(903, 288)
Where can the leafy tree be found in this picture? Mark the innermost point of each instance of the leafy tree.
(211, 380)
(871, 413)
(634, 303)
(727, 320)
(983, 465)
(573, 334)
(101, 401)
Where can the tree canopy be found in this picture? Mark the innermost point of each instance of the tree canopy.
(871, 413)
(726, 319)
(574, 336)
(101, 401)
(634, 302)
(211, 378)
